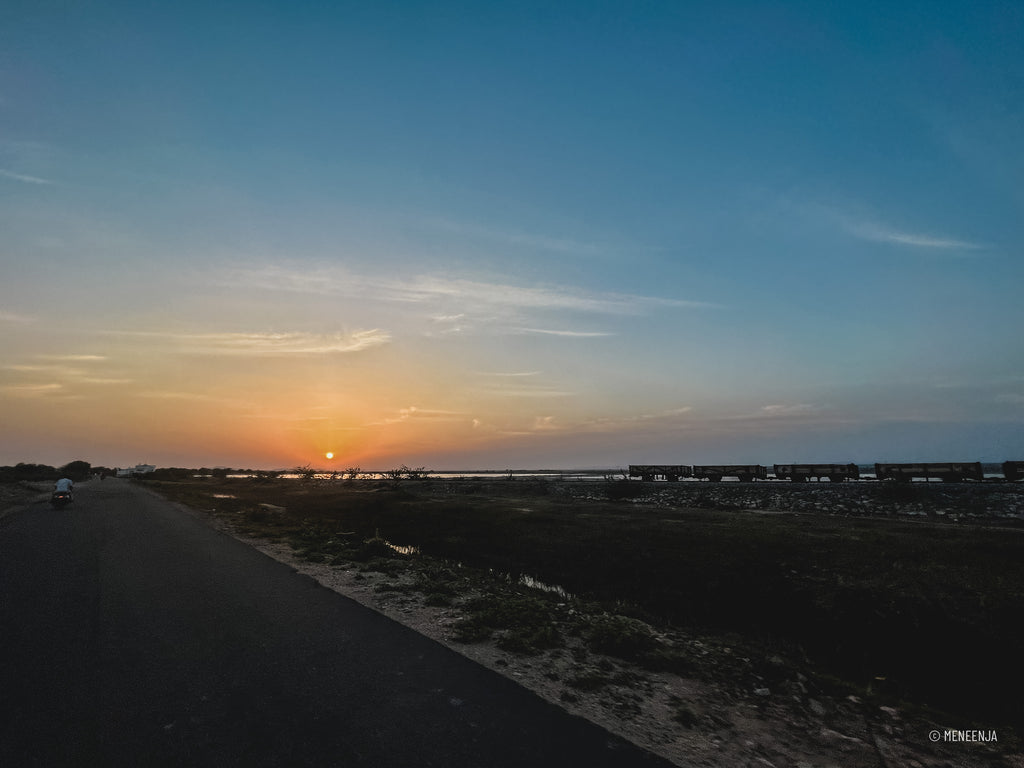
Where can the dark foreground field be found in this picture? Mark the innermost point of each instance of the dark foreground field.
(911, 595)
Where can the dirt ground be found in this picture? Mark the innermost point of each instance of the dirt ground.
(740, 711)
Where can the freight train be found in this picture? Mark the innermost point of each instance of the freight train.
(947, 472)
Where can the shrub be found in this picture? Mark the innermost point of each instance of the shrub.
(623, 637)
(527, 620)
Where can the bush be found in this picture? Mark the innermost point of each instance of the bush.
(622, 637)
(527, 622)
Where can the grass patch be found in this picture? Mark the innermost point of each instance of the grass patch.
(635, 641)
(525, 624)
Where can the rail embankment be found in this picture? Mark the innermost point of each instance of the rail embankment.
(968, 502)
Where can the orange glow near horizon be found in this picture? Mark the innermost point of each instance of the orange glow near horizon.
(176, 403)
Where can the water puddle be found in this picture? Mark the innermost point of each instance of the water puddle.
(529, 581)
(401, 549)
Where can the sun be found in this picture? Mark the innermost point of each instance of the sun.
(329, 455)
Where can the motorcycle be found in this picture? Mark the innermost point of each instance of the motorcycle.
(61, 499)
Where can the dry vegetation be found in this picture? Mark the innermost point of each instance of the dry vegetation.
(893, 618)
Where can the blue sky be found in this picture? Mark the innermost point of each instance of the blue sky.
(491, 235)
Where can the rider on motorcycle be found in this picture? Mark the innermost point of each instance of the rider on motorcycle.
(64, 485)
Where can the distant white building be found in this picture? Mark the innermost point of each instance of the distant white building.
(138, 469)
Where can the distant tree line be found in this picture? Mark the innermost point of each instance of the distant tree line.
(183, 473)
(75, 470)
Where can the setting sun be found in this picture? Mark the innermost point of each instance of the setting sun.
(329, 455)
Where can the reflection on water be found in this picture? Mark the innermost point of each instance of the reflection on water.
(402, 549)
(529, 581)
(516, 474)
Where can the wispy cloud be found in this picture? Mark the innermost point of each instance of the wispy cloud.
(544, 424)
(269, 344)
(104, 380)
(864, 224)
(513, 374)
(75, 358)
(290, 343)
(667, 421)
(32, 390)
(65, 374)
(427, 288)
(14, 317)
(573, 334)
(789, 410)
(24, 178)
(184, 396)
(876, 232)
(525, 384)
(470, 295)
(413, 412)
(28, 368)
(669, 414)
(540, 391)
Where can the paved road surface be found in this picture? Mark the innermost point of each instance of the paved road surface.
(133, 635)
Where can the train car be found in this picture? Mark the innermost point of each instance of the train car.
(745, 473)
(947, 472)
(801, 473)
(1013, 471)
(671, 472)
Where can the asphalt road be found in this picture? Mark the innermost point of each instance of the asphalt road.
(133, 635)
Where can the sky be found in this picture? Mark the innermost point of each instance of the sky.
(510, 235)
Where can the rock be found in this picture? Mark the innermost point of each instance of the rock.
(762, 692)
(816, 707)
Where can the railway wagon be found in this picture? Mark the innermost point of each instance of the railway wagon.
(745, 473)
(671, 472)
(1013, 471)
(801, 473)
(947, 472)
